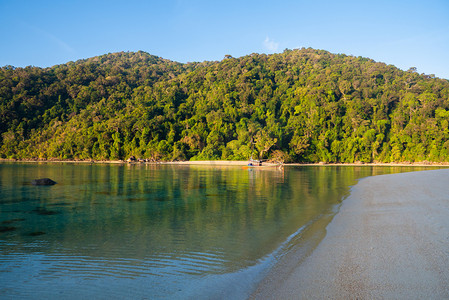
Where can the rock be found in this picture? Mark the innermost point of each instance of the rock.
(7, 228)
(43, 181)
(131, 159)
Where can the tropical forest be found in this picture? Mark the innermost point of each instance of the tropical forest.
(302, 105)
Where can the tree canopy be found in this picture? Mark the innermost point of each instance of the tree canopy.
(302, 105)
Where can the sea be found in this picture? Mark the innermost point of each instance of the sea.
(160, 231)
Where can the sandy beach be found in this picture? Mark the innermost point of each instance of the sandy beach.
(231, 163)
(389, 240)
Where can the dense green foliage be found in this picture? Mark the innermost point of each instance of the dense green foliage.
(301, 105)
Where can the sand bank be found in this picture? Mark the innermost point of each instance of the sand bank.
(390, 240)
(230, 163)
(209, 162)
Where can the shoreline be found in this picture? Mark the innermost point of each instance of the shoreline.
(236, 163)
(389, 240)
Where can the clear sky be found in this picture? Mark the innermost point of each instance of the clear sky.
(404, 33)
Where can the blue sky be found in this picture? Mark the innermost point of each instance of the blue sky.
(402, 33)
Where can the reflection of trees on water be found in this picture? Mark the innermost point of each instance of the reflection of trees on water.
(234, 215)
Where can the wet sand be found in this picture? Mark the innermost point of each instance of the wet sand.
(389, 240)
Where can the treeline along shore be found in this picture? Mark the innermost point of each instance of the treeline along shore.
(299, 106)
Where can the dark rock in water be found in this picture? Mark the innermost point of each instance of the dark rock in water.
(36, 233)
(43, 181)
(59, 204)
(12, 221)
(135, 199)
(44, 212)
(7, 228)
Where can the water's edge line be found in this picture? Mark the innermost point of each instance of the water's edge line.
(280, 256)
(229, 163)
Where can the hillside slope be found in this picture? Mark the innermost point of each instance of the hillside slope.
(301, 105)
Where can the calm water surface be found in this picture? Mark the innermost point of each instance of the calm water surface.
(156, 231)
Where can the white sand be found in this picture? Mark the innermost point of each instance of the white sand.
(390, 240)
(209, 162)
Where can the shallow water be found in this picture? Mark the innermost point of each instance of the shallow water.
(156, 231)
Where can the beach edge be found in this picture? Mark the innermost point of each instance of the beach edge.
(388, 240)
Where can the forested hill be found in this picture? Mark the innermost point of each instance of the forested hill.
(301, 106)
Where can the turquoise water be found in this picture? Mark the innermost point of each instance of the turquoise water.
(156, 231)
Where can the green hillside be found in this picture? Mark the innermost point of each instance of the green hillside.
(300, 106)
